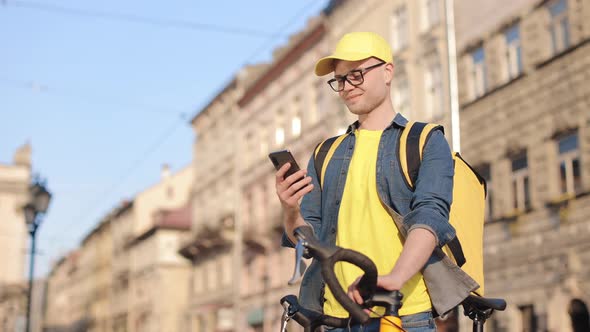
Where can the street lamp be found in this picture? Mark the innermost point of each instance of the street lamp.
(34, 210)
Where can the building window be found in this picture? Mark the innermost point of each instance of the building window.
(430, 13)
(249, 145)
(263, 145)
(279, 136)
(485, 172)
(559, 26)
(578, 312)
(478, 74)
(225, 319)
(226, 270)
(322, 102)
(263, 148)
(513, 52)
(198, 276)
(296, 126)
(434, 93)
(529, 320)
(400, 28)
(569, 164)
(212, 275)
(401, 96)
(202, 323)
(521, 195)
(296, 121)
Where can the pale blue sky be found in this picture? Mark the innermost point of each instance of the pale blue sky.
(104, 91)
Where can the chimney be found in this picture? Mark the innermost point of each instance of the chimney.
(22, 156)
(165, 172)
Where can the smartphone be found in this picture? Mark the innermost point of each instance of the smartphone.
(280, 158)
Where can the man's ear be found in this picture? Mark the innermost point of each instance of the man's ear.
(388, 72)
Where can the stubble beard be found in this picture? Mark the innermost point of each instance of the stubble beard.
(362, 107)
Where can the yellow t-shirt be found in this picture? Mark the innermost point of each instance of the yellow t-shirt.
(365, 226)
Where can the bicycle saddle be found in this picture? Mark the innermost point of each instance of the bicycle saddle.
(482, 304)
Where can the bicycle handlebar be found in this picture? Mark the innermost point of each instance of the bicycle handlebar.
(309, 319)
(328, 257)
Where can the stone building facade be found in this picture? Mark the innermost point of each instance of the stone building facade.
(214, 247)
(525, 124)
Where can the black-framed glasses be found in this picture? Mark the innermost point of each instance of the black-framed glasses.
(353, 77)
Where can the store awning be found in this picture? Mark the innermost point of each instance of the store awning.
(256, 317)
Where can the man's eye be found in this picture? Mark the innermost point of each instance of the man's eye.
(355, 75)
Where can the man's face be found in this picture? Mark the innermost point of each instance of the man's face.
(365, 97)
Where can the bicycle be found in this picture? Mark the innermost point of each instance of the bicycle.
(477, 308)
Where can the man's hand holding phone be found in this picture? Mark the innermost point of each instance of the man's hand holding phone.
(291, 182)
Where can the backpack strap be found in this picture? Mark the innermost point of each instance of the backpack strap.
(457, 251)
(411, 147)
(323, 152)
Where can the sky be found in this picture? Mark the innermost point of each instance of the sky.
(104, 92)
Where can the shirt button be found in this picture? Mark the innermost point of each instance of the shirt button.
(337, 202)
(333, 230)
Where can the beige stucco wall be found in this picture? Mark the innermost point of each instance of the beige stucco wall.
(14, 182)
(15, 177)
(65, 291)
(158, 276)
(122, 227)
(170, 192)
(158, 283)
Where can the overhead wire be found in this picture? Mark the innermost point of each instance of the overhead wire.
(160, 22)
(41, 88)
(89, 209)
(270, 42)
(105, 196)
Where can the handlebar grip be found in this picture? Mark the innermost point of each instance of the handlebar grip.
(368, 281)
(312, 320)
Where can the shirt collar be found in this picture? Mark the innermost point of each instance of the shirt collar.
(399, 121)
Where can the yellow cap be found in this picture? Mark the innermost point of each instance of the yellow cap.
(355, 46)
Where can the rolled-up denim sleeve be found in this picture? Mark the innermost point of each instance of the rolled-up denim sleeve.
(311, 205)
(432, 198)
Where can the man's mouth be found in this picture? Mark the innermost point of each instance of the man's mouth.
(352, 97)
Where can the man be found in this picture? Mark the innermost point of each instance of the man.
(356, 211)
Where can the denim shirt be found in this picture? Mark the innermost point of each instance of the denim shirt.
(425, 207)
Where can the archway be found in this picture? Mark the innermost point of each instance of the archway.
(580, 318)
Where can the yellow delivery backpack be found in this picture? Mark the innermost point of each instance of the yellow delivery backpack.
(469, 195)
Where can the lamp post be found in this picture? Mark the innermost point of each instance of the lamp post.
(34, 210)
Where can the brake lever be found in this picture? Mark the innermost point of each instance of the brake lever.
(286, 316)
(300, 266)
